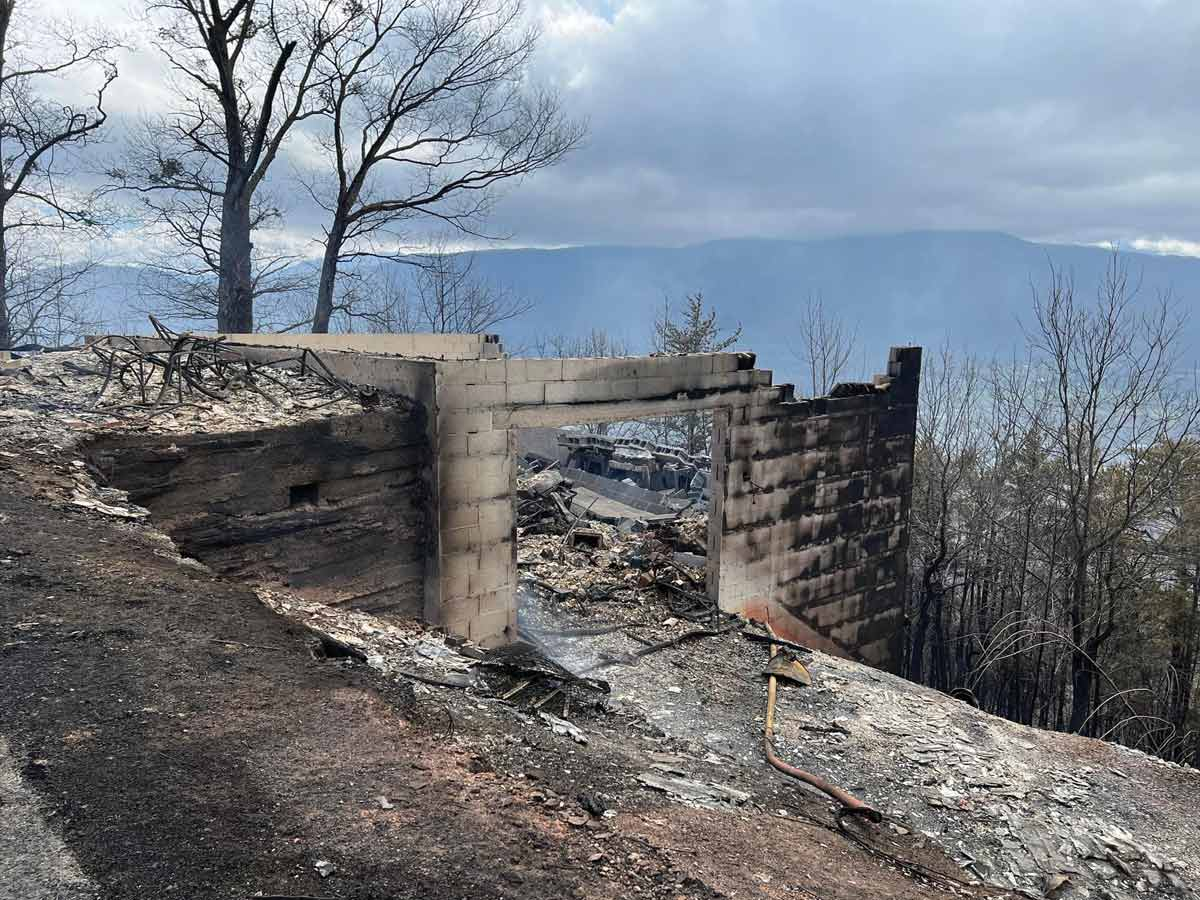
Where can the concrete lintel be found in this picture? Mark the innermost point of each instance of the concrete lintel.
(559, 414)
(426, 346)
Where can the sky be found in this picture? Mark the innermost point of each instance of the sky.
(1057, 120)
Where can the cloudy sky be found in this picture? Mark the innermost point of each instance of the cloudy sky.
(1054, 120)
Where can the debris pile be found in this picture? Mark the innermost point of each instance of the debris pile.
(544, 503)
(185, 366)
(517, 673)
(51, 403)
(197, 385)
(635, 577)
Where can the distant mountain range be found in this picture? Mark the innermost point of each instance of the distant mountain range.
(971, 289)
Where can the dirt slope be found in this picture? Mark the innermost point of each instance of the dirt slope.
(173, 762)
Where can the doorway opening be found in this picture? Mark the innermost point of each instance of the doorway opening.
(614, 530)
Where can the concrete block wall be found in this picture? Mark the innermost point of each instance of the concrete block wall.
(481, 404)
(808, 526)
(335, 509)
(416, 346)
(812, 502)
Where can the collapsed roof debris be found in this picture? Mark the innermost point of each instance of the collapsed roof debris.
(55, 401)
(199, 384)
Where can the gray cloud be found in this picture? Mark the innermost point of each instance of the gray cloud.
(1062, 120)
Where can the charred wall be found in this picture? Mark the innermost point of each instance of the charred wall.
(814, 513)
(337, 509)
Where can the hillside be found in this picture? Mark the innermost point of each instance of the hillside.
(970, 288)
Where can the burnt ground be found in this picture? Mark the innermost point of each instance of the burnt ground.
(173, 761)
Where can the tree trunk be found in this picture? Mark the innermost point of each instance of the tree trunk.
(916, 659)
(6, 335)
(235, 286)
(1081, 667)
(329, 266)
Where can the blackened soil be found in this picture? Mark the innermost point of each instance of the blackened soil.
(186, 742)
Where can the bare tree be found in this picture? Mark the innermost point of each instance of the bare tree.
(451, 298)
(695, 331)
(428, 112)
(373, 302)
(180, 279)
(1121, 416)
(244, 75)
(46, 297)
(947, 453)
(826, 344)
(596, 344)
(39, 141)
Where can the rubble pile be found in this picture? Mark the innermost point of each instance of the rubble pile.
(544, 503)
(60, 397)
(415, 655)
(581, 562)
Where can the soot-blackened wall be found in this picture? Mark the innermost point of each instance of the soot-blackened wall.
(814, 513)
(337, 509)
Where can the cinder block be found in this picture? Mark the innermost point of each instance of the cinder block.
(454, 396)
(486, 443)
(543, 369)
(459, 539)
(458, 564)
(464, 488)
(470, 372)
(724, 362)
(497, 511)
(452, 444)
(625, 389)
(490, 629)
(455, 586)
(496, 530)
(486, 580)
(499, 555)
(485, 395)
(459, 609)
(526, 393)
(582, 369)
(495, 371)
(459, 516)
(494, 468)
(515, 370)
(658, 386)
(578, 392)
(451, 422)
(494, 601)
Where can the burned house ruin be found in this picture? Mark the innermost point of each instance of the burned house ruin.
(408, 507)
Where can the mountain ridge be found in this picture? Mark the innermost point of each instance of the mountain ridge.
(971, 289)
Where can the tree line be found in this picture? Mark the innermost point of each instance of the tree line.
(400, 112)
(1054, 561)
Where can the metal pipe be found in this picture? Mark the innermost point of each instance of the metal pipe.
(851, 805)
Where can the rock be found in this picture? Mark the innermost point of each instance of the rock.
(324, 868)
(562, 726)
